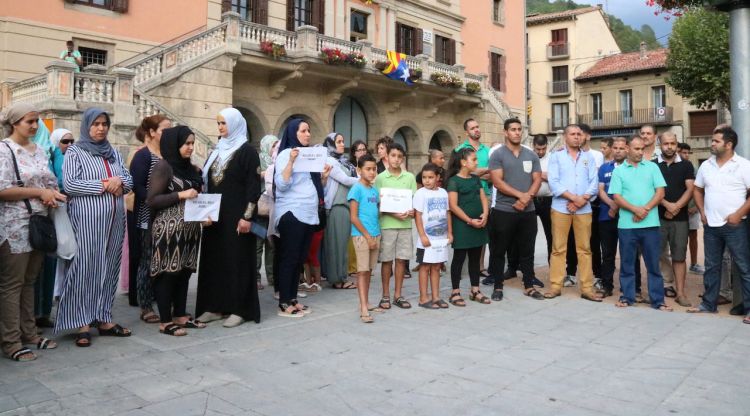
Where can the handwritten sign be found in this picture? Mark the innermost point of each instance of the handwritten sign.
(437, 252)
(395, 201)
(203, 207)
(311, 159)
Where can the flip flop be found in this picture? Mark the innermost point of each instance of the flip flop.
(429, 305)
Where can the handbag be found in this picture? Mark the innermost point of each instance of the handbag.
(67, 247)
(264, 204)
(42, 234)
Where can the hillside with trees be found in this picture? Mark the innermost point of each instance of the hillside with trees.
(627, 38)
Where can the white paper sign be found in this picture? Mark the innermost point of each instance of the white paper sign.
(203, 207)
(311, 159)
(396, 201)
(437, 252)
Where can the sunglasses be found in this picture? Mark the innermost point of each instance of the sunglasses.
(66, 141)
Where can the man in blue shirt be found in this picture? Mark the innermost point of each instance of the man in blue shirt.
(573, 179)
(638, 187)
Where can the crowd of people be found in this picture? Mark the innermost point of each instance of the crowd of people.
(310, 226)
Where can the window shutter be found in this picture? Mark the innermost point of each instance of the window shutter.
(418, 41)
(290, 15)
(502, 73)
(451, 51)
(120, 6)
(319, 15)
(399, 46)
(226, 6)
(70, 1)
(260, 12)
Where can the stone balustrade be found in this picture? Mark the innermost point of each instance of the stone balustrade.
(32, 90)
(94, 88)
(327, 42)
(254, 33)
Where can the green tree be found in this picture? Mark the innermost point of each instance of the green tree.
(698, 60)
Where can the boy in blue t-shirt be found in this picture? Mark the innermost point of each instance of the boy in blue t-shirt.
(363, 207)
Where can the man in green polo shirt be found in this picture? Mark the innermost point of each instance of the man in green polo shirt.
(638, 188)
(473, 135)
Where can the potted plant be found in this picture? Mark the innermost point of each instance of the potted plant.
(333, 56)
(380, 65)
(273, 49)
(473, 87)
(446, 80)
(356, 59)
(415, 74)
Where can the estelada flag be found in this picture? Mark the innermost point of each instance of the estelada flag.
(397, 68)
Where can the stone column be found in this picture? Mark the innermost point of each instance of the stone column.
(5, 87)
(61, 84)
(234, 42)
(383, 27)
(124, 107)
(307, 41)
(366, 49)
(391, 27)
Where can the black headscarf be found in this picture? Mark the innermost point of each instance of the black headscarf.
(289, 141)
(172, 139)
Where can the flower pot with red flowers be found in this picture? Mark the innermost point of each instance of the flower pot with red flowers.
(273, 49)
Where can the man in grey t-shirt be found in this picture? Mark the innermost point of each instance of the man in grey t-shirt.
(517, 174)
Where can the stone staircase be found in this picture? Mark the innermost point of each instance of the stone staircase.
(129, 92)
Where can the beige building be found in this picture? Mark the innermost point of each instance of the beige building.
(265, 57)
(560, 47)
(622, 92)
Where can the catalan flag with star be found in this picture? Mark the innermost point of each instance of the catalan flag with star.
(397, 68)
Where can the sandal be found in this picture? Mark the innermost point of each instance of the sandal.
(115, 331)
(457, 300)
(385, 303)
(344, 285)
(700, 309)
(315, 288)
(746, 320)
(300, 307)
(402, 303)
(622, 303)
(479, 297)
(173, 330)
(670, 292)
(303, 287)
(664, 308)
(443, 304)
(192, 324)
(286, 313)
(551, 295)
(591, 297)
(83, 339)
(150, 317)
(429, 305)
(366, 319)
(45, 344)
(376, 309)
(534, 294)
(23, 355)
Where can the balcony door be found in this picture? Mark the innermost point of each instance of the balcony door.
(255, 11)
(626, 106)
(560, 116)
(305, 13)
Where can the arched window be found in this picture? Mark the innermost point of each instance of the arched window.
(400, 138)
(350, 121)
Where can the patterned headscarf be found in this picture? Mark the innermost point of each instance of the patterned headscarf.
(266, 147)
(342, 158)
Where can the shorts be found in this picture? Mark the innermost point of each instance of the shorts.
(675, 233)
(694, 221)
(366, 258)
(395, 244)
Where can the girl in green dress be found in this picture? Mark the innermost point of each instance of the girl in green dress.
(469, 213)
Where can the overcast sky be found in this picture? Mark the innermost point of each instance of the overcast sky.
(636, 13)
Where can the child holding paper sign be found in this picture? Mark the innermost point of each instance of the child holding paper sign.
(434, 228)
(469, 213)
(363, 209)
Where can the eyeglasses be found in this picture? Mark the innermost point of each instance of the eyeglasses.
(66, 141)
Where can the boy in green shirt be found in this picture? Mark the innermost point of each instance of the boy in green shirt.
(396, 242)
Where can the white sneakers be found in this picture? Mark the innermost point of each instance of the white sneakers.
(233, 321)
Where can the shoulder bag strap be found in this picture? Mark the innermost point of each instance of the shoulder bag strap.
(19, 182)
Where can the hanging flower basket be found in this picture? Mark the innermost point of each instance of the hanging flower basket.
(356, 59)
(473, 87)
(273, 49)
(415, 74)
(335, 56)
(446, 80)
(380, 65)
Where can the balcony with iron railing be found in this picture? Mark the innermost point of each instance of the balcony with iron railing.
(558, 88)
(636, 117)
(559, 50)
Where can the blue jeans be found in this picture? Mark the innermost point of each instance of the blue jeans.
(649, 239)
(715, 239)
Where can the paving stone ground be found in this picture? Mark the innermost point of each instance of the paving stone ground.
(516, 357)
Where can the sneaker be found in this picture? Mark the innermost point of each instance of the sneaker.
(488, 281)
(598, 285)
(697, 269)
(233, 321)
(569, 281)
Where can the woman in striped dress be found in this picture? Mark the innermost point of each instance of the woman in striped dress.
(95, 180)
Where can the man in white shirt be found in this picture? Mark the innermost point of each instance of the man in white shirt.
(721, 188)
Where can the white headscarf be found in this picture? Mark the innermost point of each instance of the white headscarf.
(236, 137)
(57, 135)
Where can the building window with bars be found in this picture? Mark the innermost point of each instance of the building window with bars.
(302, 12)
(91, 56)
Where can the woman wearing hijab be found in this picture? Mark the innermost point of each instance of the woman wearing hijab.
(297, 198)
(174, 242)
(61, 139)
(95, 180)
(226, 281)
(267, 145)
(338, 225)
(19, 262)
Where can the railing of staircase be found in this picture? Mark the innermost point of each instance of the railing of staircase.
(32, 90)
(256, 33)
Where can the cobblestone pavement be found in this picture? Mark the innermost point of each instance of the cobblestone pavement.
(520, 356)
